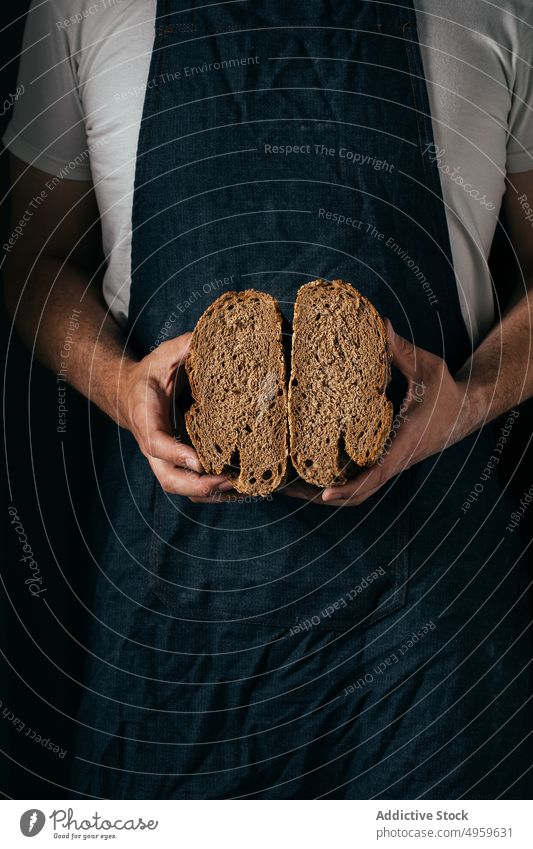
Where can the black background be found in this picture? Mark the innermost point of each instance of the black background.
(41, 660)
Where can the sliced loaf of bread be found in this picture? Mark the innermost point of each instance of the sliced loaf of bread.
(339, 415)
(236, 369)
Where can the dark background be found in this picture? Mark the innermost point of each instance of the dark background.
(41, 660)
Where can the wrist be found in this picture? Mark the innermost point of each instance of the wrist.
(126, 378)
(476, 404)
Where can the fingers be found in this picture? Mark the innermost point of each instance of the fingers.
(151, 400)
(303, 491)
(160, 445)
(350, 494)
(151, 427)
(357, 490)
(401, 456)
(162, 368)
(175, 349)
(169, 361)
(177, 481)
(154, 437)
(201, 489)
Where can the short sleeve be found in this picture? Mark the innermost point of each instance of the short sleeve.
(47, 128)
(520, 122)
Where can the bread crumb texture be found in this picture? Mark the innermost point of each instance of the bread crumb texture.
(339, 415)
(236, 369)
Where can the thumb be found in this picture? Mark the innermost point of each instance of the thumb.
(173, 352)
(405, 355)
(177, 348)
(168, 359)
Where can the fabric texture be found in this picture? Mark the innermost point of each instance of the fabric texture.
(86, 72)
(280, 649)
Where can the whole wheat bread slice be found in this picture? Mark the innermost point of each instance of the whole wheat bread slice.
(339, 415)
(236, 370)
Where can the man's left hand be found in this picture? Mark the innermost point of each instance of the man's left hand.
(436, 412)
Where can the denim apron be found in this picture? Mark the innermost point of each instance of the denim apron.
(278, 648)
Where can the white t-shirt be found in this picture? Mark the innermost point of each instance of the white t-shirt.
(84, 68)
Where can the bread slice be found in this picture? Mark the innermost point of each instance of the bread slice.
(236, 370)
(339, 415)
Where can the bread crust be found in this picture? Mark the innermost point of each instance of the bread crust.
(338, 458)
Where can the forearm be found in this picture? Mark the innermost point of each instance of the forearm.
(44, 301)
(499, 374)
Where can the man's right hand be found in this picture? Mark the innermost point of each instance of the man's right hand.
(147, 397)
(58, 265)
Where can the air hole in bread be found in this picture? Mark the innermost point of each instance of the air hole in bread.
(235, 462)
(247, 429)
(345, 461)
(251, 480)
(218, 449)
(267, 475)
(294, 382)
(308, 463)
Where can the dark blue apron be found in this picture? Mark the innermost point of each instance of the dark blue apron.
(278, 648)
